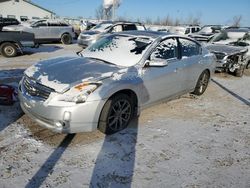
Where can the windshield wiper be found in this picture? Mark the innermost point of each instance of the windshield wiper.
(101, 60)
(79, 53)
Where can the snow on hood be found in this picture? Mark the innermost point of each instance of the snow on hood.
(228, 50)
(64, 72)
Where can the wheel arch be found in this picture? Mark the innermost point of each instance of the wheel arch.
(132, 94)
(65, 33)
(17, 44)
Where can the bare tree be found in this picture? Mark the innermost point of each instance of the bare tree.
(148, 21)
(237, 21)
(99, 12)
(108, 13)
(167, 21)
(177, 22)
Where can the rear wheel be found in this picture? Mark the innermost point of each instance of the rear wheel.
(8, 49)
(116, 114)
(202, 83)
(66, 38)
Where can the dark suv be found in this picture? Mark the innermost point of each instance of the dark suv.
(8, 21)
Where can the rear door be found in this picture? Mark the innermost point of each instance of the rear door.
(41, 30)
(55, 29)
(191, 58)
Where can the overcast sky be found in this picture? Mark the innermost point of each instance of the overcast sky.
(209, 11)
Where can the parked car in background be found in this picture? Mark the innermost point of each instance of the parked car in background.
(206, 33)
(86, 25)
(8, 21)
(89, 37)
(47, 31)
(184, 30)
(13, 42)
(112, 80)
(232, 49)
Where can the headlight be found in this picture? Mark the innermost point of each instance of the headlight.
(80, 92)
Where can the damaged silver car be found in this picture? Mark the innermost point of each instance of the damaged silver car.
(109, 82)
(231, 48)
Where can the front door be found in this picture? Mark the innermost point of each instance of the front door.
(165, 81)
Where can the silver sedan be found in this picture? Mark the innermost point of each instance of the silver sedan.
(109, 83)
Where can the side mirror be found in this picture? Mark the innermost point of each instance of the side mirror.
(157, 63)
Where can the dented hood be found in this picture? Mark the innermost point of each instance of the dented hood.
(64, 72)
(226, 49)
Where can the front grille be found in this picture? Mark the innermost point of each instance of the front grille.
(35, 89)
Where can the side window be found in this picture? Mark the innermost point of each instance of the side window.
(140, 28)
(187, 30)
(23, 18)
(167, 49)
(117, 28)
(11, 16)
(193, 30)
(53, 24)
(41, 24)
(189, 48)
(63, 25)
(129, 27)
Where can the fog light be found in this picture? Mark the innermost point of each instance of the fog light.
(66, 116)
(58, 125)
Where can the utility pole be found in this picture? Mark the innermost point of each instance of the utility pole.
(113, 12)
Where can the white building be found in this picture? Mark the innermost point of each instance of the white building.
(23, 10)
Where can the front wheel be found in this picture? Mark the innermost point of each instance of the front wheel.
(116, 114)
(202, 83)
(248, 65)
(8, 49)
(239, 72)
(66, 39)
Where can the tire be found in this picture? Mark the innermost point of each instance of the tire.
(116, 114)
(8, 49)
(66, 39)
(248, 65)
(239, 72)
(202, 83)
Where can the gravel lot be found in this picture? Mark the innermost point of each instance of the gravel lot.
(188, 142)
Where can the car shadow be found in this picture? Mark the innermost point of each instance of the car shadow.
(42, 48)
(115, 163)
(245, 101)
(9, 115)
(11, 75)
(48, 165)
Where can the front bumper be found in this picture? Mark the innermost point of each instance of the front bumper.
(84, 42)
(63, 119)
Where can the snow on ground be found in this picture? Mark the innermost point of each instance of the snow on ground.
(188, 142)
